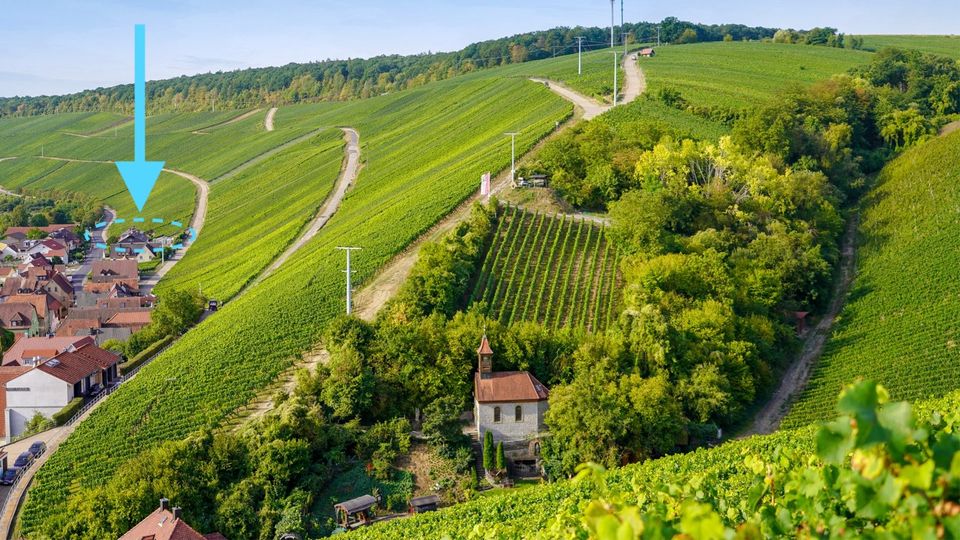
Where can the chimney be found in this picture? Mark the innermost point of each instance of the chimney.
(177, 512)
(485, 355)
(164, 504)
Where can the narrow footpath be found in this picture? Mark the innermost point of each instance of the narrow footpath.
(268, 121)
(768, 419)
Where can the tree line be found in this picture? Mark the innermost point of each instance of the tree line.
(340, 80)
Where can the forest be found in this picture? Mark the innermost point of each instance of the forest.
(341, 80)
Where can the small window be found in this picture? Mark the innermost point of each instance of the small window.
(518, 413)
(496, 414)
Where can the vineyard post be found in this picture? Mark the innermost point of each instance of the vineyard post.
(348, 249)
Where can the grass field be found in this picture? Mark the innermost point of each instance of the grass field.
(942, 45)
(457, 128)
(596, 79)
(738, 75)
(557, 271)
(901, 324)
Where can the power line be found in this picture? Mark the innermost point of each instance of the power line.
(348, 249)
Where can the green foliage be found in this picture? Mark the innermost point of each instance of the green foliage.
(39, 208)
(948, 46)
(68, 411)
(499, 462)
(383, 443)
(897, 326)
(395, 199)
(489, 459)
(139, 358)
(526, 256)
(442, 425)
(38, 422)
(177, 311)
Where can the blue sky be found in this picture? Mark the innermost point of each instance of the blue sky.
(60, 46)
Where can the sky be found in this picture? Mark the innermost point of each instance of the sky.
(61, 46)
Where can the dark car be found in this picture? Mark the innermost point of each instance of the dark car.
(37, 448)
(9, 476)
(23, 460)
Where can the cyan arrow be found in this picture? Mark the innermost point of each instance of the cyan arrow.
(140, 175)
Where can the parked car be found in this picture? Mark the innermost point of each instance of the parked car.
(9, 476)
(37, 448)
(213, 305)
(23, 460)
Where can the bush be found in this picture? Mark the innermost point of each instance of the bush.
(488, 459)
(66, 413)
(500, 461)
(144, 355)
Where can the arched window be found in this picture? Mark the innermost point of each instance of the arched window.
(536, 448)
(496, 414)
(518, 413)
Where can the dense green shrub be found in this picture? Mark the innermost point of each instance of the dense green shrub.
(68, 411)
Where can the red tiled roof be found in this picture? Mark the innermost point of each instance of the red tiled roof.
(16, 314)
(44, 303)
(40, 346)
(130, 318)
(115, 267)
(70, 367)
(160, 525)
(484, 346)
(102, 357)
(47, 229)
(509, 386)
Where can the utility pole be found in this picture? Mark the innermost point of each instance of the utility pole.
(625, 34)
(615, 66)
(513, 155)
(658, 35)
(612, 23)
(579, 51)
(348, 249)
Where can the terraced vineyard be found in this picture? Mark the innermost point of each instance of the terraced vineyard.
(901, 323)
(559, 271)
(457, 127)
(739, 75)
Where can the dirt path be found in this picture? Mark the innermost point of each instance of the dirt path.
(268, 121)
(950, 128)
(266, 155)
(348, 174)
(768, 418)
(635, 82)
(199, 217)
(244, 116)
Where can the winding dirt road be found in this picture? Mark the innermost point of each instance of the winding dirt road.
(348, 174)
(235, 119)
(268, 121)
(588, 108)
(767, 420)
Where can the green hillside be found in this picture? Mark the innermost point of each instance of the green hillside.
(219, 365)
(738, 75)
(730, 476)
(560, 272)
(942, 45)
(901, 323)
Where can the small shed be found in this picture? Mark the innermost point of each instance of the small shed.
(427, 503)
(647, 52)
(355, 512)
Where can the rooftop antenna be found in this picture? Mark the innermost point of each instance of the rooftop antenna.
(348, 249)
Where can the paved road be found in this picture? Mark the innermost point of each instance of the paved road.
(78, 273)
(268, 121)
(348, 175)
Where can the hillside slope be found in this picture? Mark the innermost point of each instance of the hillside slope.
(901, 323)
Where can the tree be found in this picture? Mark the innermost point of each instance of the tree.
(441, 423)
(500, 460)
(688, 36)
(488, 452)
(177, 311)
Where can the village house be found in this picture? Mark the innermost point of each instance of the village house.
(49, 385)
(511, 405)
(50, 311)
(135, 244)
(19, 319)
(647, 52)
(166, 523)
(107, 272)
(37, 349)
